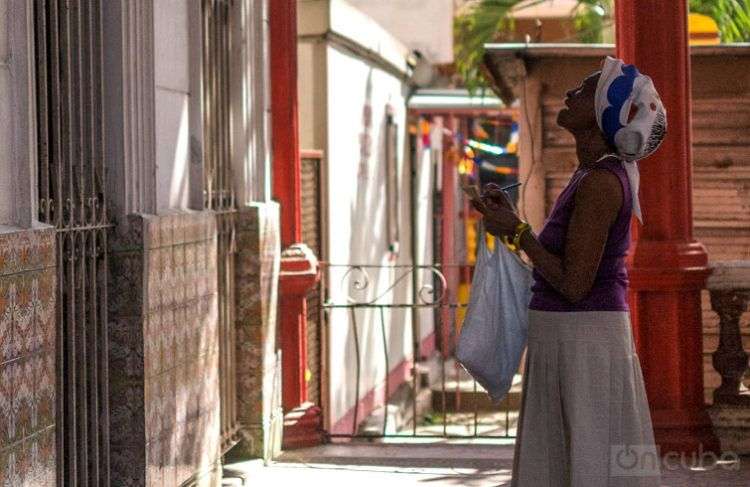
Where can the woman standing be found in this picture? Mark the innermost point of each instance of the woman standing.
(584, 419)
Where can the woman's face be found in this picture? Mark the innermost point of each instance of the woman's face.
(578, 113)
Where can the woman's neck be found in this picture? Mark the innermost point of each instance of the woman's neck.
(590, 148)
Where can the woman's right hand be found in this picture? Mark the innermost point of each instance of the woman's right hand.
(493, 196)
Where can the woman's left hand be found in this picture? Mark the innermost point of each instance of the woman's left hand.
(498, 219)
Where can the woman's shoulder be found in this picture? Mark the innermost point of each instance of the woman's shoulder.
(601, 187)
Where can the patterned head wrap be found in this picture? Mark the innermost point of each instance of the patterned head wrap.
(631, 116)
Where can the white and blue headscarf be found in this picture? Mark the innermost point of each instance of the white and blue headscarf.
(631, 115)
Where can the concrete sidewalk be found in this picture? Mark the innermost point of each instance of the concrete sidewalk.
(434, 464)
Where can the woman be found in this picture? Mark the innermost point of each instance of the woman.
(584, 419)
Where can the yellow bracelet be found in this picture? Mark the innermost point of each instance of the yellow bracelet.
(520, 229)
(508, 243)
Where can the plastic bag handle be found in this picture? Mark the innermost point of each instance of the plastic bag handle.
(482, 244)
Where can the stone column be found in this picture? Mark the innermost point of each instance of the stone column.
(669, 266)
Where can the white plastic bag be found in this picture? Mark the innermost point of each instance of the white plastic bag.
(494, 332)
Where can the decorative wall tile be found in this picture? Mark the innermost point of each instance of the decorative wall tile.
(8, 417)
(27, 304)
(47, 457)
(23, 464)
(127, 413)
(44, 309)
(44, 376)
(256, 274)
(167, 338)
(125, 282)
(154, 465)
(23, 316)
(26, 250)
(36, 471)
(128, 465)
(178, 318)
(126, 347)
(9, 474)
(152, 231)
(24, 406)
(7, 306)
(153, 409)
(180, 338)
(168, 455)
(155, 270)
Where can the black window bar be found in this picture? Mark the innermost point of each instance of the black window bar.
(219, 196)
(68, 51)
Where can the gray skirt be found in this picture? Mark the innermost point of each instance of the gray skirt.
(584, 419)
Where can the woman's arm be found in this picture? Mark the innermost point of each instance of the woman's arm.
(597, 202)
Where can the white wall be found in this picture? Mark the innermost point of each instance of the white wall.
(337, 85)
(312, 79)
(172, 102)
(426, 26)
(357, 223)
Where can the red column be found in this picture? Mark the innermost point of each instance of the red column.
(669, 266)
(284, 122)
(299, 267)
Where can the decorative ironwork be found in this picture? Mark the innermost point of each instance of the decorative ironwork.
(455, 395)
(356, 278)
(219, 196)
(68, 48)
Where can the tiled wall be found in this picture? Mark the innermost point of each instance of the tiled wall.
(258, 367)
(164, 392)
(27, 358)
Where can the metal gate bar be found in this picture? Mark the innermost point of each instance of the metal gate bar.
(220, 197)
(72, 199)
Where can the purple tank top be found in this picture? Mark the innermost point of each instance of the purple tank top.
(609, 291)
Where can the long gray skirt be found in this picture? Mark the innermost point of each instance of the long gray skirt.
(584, 419)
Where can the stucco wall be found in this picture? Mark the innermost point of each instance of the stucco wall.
(172, 65)
(6, 117)
(357, 222)
(426, 26)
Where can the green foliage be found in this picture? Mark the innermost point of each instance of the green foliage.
(733, 17)
(592, 16)
(484, 23)
(488, 21)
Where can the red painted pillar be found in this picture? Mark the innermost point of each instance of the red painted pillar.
(669, 266)
(299, 267)
(284, 121)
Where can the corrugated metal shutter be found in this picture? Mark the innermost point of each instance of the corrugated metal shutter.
(310, 173)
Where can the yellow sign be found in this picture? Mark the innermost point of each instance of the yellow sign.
(703, 30)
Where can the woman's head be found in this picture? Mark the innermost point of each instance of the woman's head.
(619, 105)
(578, 115)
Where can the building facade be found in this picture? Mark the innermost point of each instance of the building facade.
(140, 243)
